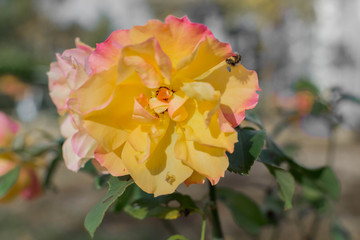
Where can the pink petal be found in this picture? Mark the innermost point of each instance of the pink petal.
(107, 53)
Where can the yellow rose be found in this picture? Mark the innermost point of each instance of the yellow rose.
(161, 103)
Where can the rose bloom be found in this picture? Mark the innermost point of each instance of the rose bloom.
(300, 103)
(68, 73)
(27, 185)
(161, 104)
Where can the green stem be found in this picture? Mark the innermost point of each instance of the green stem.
(217, 231)
(203, 228)
(51, 169)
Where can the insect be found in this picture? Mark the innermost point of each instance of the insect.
(233, 60)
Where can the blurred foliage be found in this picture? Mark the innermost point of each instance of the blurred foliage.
(28, 40)
(264, 12)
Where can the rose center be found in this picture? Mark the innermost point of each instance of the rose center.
(161, 99)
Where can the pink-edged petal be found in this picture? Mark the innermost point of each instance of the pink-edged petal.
(77, 77)
(224, 124)
(72, 161)
(147, 72)
(67, 128)
(97, 165)
(86, 48)
(178, 37)
(238, 90)
(140, 113)
(106, 54)
(64, 64)
(149, 61)
(111, 162)
(214, 181)
(83, 144)
(59, 89)
(195, 178)
(101, 86)
(234, 118)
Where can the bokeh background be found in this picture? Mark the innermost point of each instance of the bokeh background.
(282, 40)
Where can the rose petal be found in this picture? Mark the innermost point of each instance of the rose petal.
(106, 54)
(111, 162)
(162, 172)
(238, 90)
(83, 144)
(72, 161)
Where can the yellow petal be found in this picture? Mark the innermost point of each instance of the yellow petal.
(110, 125)
(202, 130)
(144, 138)
(207, 54)
(201, 91)
(162, 172)
(101, 88)
(238, 90)
(140, 113)
(111, 162)
(157, 105)
(177, 37)
(209, 161)
(149, 61)
(195, 178)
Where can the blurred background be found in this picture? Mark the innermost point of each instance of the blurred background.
(286, 42)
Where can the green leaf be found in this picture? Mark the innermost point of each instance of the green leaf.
(317, 199)
(286, 185)
(245, 211)
(169, 206)
(322, 179)
(350, 97)
(100, 181)
(8, 180)
(177, 237)
(305, 84)
(94, 217)
(247, 149)
(254, 118)
(258, 141)
(338, 232)
(125, 198)
(270, 157)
